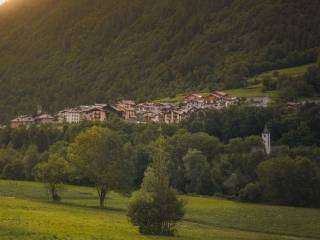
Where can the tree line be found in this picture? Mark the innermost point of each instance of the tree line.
(293, 88)
(215, 153)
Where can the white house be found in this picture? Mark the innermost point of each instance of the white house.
(70, 115)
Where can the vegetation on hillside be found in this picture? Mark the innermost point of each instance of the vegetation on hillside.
(215, 153)
(62, 53)
(294, 85)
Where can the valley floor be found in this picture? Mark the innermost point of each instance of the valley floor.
(25, 214)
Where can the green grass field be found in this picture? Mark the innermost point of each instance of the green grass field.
(25, 214)
(293, 71)
(251, 91)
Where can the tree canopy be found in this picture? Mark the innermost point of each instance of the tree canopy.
(210, 159)
(97, 154)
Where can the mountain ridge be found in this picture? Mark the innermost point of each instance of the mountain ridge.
(61, 53)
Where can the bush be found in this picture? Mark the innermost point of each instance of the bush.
(156, 214)
(197, 173)
(269, 84)
(312, 77)
(53, 173)
(251, 192)
(290, 181)
(14, 170)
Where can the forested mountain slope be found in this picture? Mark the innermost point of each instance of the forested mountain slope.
(59, 53)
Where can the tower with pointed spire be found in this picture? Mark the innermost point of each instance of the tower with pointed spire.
(39, 109)
(266, 138)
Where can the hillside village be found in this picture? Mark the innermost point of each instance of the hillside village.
(128, 110)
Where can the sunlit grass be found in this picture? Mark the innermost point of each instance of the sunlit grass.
(293, 71)
(251, 91)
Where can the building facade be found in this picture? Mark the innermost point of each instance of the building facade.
(22, 121)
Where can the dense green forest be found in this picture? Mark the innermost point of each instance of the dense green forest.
(215, 153)
(59, 53)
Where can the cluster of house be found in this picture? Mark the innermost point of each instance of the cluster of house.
(170, 113)
(97, 112)
(132, 112)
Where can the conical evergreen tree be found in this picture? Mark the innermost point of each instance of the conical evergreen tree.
(156, 208)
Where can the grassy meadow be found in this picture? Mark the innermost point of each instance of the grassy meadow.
(251, 91)
(26, 214)
(293, 71)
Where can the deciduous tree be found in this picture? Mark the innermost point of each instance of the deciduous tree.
(290, 181)
(198, 174)
(53, 173)
(97, 154)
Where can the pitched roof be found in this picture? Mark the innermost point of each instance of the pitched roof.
(219, 93)
(44, 116)
(23, 118)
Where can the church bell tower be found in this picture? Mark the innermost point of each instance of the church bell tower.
(266, 138)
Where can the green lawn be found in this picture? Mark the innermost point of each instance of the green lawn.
(293, 71)
(251, 91)
(25, 214)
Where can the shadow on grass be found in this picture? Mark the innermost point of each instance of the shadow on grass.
(78, 205)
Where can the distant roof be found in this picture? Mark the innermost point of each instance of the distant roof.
(219, 93)
(194, 95)
(129, 102)
(44, 116)
(23, 118)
